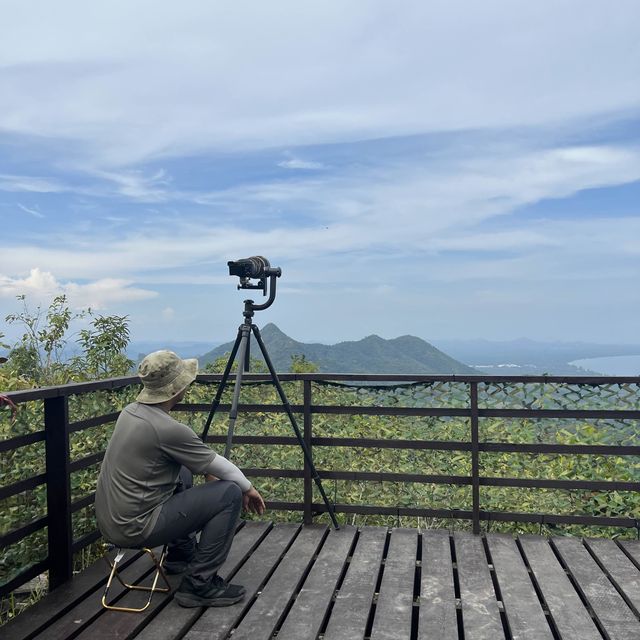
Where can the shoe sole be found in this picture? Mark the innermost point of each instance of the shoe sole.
(189, 601)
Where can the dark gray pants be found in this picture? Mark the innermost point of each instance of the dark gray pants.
(212, 508)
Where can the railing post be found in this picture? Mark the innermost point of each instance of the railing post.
(475, 456)
(308, 485)
(60, 535)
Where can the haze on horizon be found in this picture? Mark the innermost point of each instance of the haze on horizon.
(448, 170)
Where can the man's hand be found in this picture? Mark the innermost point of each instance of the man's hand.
(252, 501)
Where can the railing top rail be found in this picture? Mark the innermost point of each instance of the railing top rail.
(115, 383)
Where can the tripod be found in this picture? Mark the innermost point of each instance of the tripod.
(241, 348)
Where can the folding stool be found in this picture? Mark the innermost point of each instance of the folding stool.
(120, 553)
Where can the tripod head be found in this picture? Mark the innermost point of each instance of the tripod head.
(255, 268)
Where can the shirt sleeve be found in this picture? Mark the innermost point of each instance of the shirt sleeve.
(226, 470)
(185, 447)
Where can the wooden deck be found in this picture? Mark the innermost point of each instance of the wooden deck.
(310, 582)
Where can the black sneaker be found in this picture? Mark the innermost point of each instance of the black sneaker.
(219, 594)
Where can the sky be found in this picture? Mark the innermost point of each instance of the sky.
(445, 169)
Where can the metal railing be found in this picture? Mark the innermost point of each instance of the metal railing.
(58, 465)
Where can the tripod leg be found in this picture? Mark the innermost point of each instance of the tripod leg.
(222, 385)
(243, 335)
(294, 424)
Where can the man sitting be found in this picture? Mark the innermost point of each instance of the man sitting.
(145, 495)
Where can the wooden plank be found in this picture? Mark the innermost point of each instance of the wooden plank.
(566, 610)
(480, 613)
(305, 618)
(620, 570)
(173, 621)
(117, 624)
(59, 601)
(522, 608)
(632, 549)
(394, 608)
(88, 610)
(353, 601)
(215, 624)
(611, 611)
(267, 611)
(437, 593)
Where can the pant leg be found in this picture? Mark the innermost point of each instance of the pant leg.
(184, 547)
(212, 508)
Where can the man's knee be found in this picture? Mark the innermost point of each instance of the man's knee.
(233, 492)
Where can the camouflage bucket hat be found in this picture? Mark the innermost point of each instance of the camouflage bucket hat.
(164, 375)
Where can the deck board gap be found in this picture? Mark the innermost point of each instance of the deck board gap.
(456, 588)
(496, 588)
(417, 587)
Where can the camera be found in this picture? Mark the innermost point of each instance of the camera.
(253, 267)
(256, 268)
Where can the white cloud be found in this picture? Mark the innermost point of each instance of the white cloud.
(229, 76)
(297, 163)
(41, 286)
(34, 212)
(30, 183)
(402, 209)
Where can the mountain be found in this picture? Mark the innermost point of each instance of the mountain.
(406, 354)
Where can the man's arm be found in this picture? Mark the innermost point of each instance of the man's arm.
(226, 470)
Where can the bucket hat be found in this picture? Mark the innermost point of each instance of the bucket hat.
(164, 375)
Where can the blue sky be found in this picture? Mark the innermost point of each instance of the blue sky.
(445, 169)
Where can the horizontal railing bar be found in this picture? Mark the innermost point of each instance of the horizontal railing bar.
(83, 502)
(26, 575)
(88, 423)
(22, 485)
(407, 377)
(16, 535)
(85, 462)
(541, 483)
(86, 540)
(578, 449)
(21, 441)
(71, 389)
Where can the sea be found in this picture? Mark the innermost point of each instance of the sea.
(611, 365)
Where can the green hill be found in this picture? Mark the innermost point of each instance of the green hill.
(406, 354)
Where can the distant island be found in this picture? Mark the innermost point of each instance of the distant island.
(373, 354)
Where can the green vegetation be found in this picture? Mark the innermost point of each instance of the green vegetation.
(36, 360)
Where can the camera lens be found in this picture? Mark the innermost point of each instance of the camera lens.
(253, 267)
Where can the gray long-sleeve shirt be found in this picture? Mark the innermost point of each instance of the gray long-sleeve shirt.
(140, 471)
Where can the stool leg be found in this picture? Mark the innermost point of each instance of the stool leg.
(129, 587)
